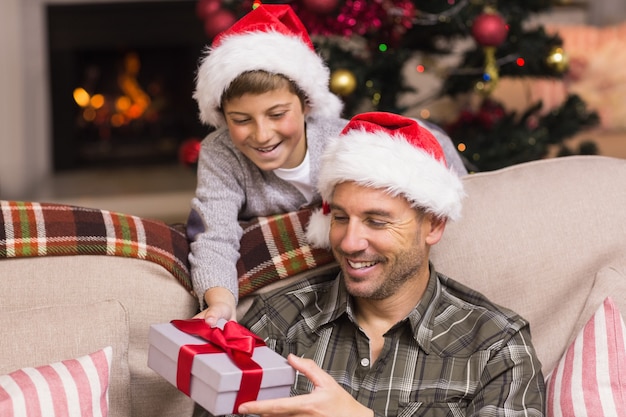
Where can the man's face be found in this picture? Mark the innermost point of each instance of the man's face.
(268, 128)
(380, 242)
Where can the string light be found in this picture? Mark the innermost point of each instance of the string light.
(428, 19)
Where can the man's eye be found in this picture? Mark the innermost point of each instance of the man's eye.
(339, 218)
(376, 223)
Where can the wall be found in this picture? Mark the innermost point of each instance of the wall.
(606, 12)
(23, 149)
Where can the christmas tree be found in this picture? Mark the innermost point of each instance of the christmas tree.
(368, 45)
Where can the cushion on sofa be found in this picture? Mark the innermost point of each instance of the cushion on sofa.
(70, 331)
(73, 387)
(274, 248)
(590, 378)
(30, 229)
(534, 236)
(147, 291)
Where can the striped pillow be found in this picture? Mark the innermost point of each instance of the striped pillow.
(590, 378)
(74, 387)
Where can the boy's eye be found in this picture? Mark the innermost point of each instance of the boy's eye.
(277, 115)
(240, 121)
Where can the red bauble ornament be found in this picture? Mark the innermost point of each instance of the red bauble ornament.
(320, 6)
(491, 112)
(489, 29)
(218, 22)
(205, 8)
(189, 152)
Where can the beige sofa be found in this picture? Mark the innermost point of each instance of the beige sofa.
(546, 238)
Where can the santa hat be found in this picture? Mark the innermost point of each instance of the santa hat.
(389, 152)
(269, 38)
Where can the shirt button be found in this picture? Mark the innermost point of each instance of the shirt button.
(365, 362)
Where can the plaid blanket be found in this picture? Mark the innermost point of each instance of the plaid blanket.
(272, 248)
(30, 229)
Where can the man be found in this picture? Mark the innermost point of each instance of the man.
(389, 335)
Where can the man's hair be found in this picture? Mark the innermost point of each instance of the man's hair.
(259, 82)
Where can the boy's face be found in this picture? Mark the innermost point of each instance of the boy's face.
(268, 128)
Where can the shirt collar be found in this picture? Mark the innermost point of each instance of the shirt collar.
(420, 319)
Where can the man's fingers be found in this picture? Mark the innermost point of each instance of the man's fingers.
(278, 407)
(309, 369)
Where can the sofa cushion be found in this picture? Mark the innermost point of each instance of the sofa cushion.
(535, 236)
(70, 331)
(274, 248)
(148, 292)
(77, 386)
(590, 378)
(29, 229)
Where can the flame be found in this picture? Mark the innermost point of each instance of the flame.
(132, 104)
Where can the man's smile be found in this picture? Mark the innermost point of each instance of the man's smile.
(361, 264)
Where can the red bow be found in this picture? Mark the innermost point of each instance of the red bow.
(235, 340)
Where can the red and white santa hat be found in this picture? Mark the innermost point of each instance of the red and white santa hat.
(269, 38)
(389, 152)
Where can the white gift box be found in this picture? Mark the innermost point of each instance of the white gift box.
(215, 379)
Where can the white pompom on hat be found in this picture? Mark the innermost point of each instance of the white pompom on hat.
(270, 38)
(389, 152)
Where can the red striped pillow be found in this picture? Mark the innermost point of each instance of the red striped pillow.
(74, 387)
(590, 378)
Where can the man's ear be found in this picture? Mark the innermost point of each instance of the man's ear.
(437, 226)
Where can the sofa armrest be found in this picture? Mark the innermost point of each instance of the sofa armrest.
(54, 256)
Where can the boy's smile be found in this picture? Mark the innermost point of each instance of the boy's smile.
(268, 128)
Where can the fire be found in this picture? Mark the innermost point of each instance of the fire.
(131, 104)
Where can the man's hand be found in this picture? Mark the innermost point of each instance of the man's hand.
(327, 398)
(221, 305)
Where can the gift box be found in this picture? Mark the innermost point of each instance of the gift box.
(219, 368)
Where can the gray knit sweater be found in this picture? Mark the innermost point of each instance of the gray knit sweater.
(232, 188)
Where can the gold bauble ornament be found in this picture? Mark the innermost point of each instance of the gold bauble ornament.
(342, 82)
(558, 60)
(491, 73)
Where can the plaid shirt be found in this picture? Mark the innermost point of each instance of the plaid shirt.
(455, 354)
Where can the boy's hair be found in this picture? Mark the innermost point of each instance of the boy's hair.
(259, 82)
(269, 38)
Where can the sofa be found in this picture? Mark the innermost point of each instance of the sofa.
(546, 238)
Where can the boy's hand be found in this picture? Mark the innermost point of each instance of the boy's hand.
(221, 305)
(327, 398)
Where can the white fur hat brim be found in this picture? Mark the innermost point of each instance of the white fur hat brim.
(270, 51)
(389, 163)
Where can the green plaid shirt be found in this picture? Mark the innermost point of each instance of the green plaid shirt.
(455, 354)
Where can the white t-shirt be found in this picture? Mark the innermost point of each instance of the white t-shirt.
(299, 177)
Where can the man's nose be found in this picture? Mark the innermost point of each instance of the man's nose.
(354, 237)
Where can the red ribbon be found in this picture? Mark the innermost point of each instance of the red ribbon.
(235, 340)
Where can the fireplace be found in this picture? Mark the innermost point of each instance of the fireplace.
(121, 82)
